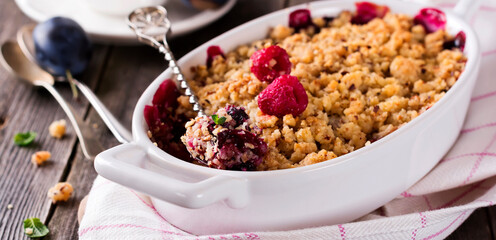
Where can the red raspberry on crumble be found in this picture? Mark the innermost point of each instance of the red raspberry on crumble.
(366, 11)
(270, 63)
(285, 95)
(431, 19)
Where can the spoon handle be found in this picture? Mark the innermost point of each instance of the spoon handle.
(90, 145)
(141, 21)
(120, 132)
(181, 79)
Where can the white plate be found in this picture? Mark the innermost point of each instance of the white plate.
(113, 29)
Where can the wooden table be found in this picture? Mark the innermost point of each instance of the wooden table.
(118, 75)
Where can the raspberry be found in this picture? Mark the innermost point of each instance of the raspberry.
(431, 19)
(457, 42)
(300, 19)
(166, 95)
(152, 116)
(164, 124)
(284, 96)
(367, 11)
(270, 63)
(212, 52)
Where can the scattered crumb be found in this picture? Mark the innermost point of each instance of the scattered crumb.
(10, 206)
(60, 192)
(57, 129)
(28, 231)
(40, 157)
(94, 125)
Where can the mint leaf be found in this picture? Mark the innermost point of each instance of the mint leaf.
(24, 139)
(218, 120)
(34, 228)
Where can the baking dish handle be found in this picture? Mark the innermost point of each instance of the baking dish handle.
(466, 8)
(125, 163)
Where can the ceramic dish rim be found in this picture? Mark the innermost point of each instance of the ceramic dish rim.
(141, 138)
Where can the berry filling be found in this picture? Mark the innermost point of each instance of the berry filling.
(166, 95)
(300, 19)
(367, 11)
(431, 19)
(165, 127)
(285, 95)
(457, 42)
(226, 140)
(238, 114)
(270, 63)
(240, 149)
(212, 52)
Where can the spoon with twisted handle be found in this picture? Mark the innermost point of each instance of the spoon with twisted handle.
(18, 64)
(151, 26)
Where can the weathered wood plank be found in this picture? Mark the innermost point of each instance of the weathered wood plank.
(491, 211)
(63, 223)
(129, 70)
(23, 184)
(23, 108)
(475, 227)
(60, 221)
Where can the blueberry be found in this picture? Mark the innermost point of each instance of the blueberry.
(457, 42)
(238, 114)
(61, 45)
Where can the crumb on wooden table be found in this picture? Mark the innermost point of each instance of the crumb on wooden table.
(60, 192)
(57, 128)
(40, 157)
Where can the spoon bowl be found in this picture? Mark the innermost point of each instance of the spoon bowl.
(16, 62)
(25, 40)
(13, 59)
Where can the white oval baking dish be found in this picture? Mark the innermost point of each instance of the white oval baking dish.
(203, 200)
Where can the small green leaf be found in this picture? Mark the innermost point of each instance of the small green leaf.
(35, 227)
(24, 139)
(218, 120)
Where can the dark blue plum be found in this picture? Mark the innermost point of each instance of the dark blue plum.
(61, 44)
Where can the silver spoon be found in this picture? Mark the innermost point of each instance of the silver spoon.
(16, 62)
(25, 40)
(151, 26)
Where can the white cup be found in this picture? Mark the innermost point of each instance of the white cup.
(121, 7)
